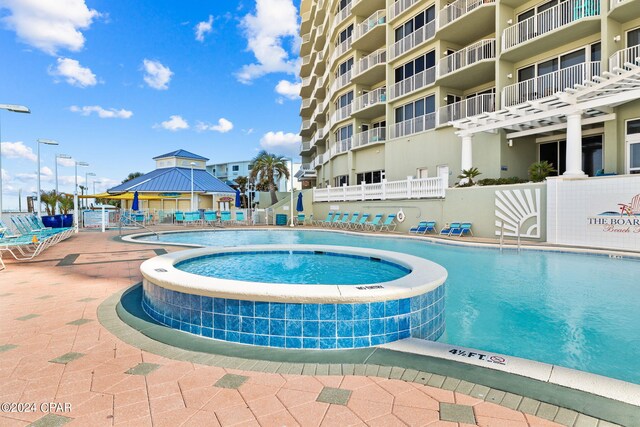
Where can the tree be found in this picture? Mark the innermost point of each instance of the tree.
(269, 168)
(540, 170)
(242, 182)
(132, 175)
(468, 175)
(50, 200)
(66, 203)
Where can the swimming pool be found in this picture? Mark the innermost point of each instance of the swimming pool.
(572, 310)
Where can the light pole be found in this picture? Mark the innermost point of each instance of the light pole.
(192, 164)
(75, 193)
(94, 190)
(13, 109)
(59, 156)
(47, 142)
(291, 224)
(86, 184)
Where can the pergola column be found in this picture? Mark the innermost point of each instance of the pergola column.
(466, 161)
(574, 145)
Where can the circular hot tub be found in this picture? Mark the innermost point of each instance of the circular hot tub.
(296, 296)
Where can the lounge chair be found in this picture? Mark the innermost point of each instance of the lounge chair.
(361, 224)
(179, 216)
(421, 228)
(309, 221)
(374, 223)
(300, 219)
(465, 228)
(352, 222)
(341, 222)
(389, 223)
(329, 219)
(225, 217)
(446, 231)
(336, 219)
(240, 219)
(211, 217)
(431, 227)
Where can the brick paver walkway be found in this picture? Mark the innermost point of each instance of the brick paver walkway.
(53, 349)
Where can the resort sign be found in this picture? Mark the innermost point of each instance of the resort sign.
(625, 220)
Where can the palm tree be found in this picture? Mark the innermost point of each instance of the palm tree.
(50, 200)
(242, 182)
(467, 176)
(132, 175)
(270, 168)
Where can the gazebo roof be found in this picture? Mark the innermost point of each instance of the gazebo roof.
(174, 180)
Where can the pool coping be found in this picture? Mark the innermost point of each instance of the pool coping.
(122, 316)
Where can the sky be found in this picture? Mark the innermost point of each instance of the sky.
(117, 83)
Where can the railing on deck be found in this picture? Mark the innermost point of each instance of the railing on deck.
(424, 188)
(630, 55)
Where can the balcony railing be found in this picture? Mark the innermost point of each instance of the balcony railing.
(306, 81)
(413, 83)
(424, 188)
(341, 81)
(306, 124)
(615, 3)
(341, 48)
(466, 108)
(375, 58)
(484, 49)
(305, 146)
(630, 55)
(555, 17)
(306, 103)
(369, 137)
(376, 96)
(458, 9)
(341, 146)
(306, 60)
(317, 136)
(377, 18)
(549, 84)
(413, 39)
(400, 6)
(415, 125)
(342, 113)
(342, 15)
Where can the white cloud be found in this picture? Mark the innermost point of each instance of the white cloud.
(266, 31)
(281, 143)
(247, 131)
(288, 89)
(174, 123)
(110, 113)
(73, 73)
(49, 25)
(66, 162)
(203, 28)
(223, 126)
(17, 150)
(46, 171)
(157, 76)
(5, 175)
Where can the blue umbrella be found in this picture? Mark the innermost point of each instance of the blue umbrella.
(238, 201)
(299, 206)
(135, 205)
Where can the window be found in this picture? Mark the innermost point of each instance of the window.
(250, 167)
(555, 153)
(343, 4)
(415, 23)
(415, 109)
(419, 64)
(344, 35)
(633, 37)
(633, 145)
(371, 177)
(344, 100)
(339, 181)
(344, 67)
(235, 168)
(344, 133)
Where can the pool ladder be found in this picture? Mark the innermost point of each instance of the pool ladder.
(502, 235)
(135, 223)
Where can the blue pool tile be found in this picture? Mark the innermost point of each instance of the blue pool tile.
(361, 342)
(207, 304)
(207, 332)
(219, 321)
(404, 334)
(276, 342)
(195, 329)
(310, 328)
(183, 299)
(310, 343)
(218, 305)
(276, 327)
(327, 329)
(425, 315)
(404, 322)
(232, 336)
(376, 310)
(276, 310)
(261, 340)
(194, 302)
(185, 315)
(262, 309)
(293, 328)
(247, 325)
(175, 323)
(246, 308)
(404, 306)
(391, 337)
(293, 342)
(345, 342)
(294, 311)
(376, 326)
(391, 308)
(233, 323)
(246, 338)
(207, 320)
(390, 325)
(185, 327)
(345, 328)
(219, 334)
(361, 328)
(345, 311)
(415, 319)
(311, 311)
(360, 311)
(326, 343)
(377, 339)
(232, 306)
(327, 312)
(261, 326)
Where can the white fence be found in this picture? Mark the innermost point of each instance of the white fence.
(622, 58)
(458, 9)
(424, 188)
(413, 39)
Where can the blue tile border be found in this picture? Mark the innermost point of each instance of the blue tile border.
(298, 325)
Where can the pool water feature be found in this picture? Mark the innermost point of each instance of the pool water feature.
(573, 310)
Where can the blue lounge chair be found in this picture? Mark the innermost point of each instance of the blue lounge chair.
(300, 219)
(361, 224)
(336, 219)
(389, 223)
(340, 222)
(329, 219)
(465, 228)
(421, 228)
(431, 227)
(179, 216)
(374, 223)
(211, 217)
(309, 221)
(446, 231)
(352, 222)
(225, 217)
(240, 219)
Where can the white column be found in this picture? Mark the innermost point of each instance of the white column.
(466, 161)
(574, 145)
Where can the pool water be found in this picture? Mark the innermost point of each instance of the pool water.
(577, 311)
(299, 267)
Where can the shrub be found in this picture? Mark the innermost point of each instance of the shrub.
(540, 170)
(468, 174)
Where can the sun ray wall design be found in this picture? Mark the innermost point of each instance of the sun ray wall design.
(518, 210)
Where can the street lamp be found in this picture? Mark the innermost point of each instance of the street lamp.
(59, 156)
(46, 142)
(94, 190)
(13, 109)
(86, 184)
(75, 193)
(291, 224)
(192, 164)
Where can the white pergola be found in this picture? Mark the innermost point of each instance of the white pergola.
(587, 103)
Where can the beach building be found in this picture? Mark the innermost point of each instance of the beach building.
(229, 171)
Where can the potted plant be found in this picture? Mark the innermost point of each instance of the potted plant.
(540, 170)
(66, 205)
(50, 200)
(467, 175)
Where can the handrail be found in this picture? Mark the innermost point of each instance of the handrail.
(135, 223)
(413, 39)
(467, 56)
(459, 8)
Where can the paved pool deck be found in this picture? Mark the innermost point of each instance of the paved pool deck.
(63, 342)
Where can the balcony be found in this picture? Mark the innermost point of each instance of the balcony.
(305, 68)
(306, 106)
(413, 40)
(306, 172)
(466, 108)
(340, 82)
(624, 10)
(340, 147)
(371, 104)
(320, 64)
(417, 81)
(369, 137)
(624, 59)
(318, 115)
(341, 16)
(305, 24)
(366, 7)
(477, 61)
(416, 125)
(342, 114)
(371, 33)
(473, 19)
(370, 69)
(306, 88)
(318, 136)
(320, 89)
(321, 36)
(549, 84)
(568, 21)
(305, 47)
(340, 50)
(307, 127)
(400, 7)
(305, 147)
